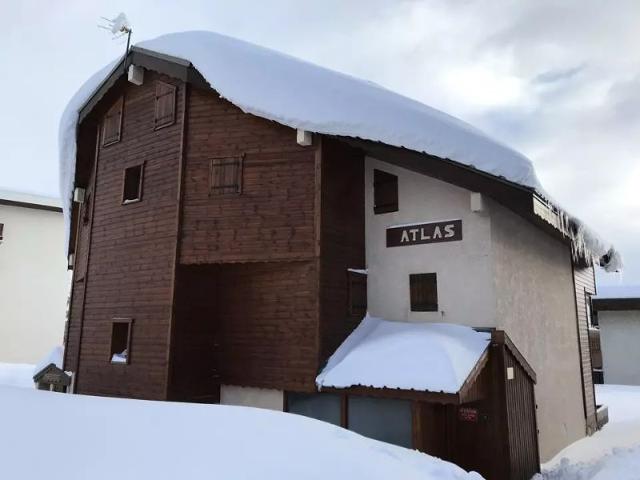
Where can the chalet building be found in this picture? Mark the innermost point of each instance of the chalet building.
(235, 213)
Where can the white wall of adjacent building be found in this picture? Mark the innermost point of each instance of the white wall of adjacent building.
(504, 273)
(620, 344)
(252, 397)
(34, 278)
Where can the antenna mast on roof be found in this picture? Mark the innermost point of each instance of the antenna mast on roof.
(119, 27)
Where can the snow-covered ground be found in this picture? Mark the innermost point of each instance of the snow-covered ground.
(613, 453)
(16, 374)
(105, 438)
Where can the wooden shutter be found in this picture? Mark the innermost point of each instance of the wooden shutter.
(357, 293)
(226, 175)
(385, 192)
(424, 292)
(165, 105)
(112, 124)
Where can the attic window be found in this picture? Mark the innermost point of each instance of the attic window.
(120, 341)
(225, 175)
(165, 105)
(385, 192)
(357, 293)
(132, 189)
(424, 292)
(112, 124)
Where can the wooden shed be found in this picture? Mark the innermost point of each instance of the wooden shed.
(488, 425)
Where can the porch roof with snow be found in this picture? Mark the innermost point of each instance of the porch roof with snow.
(301, 95)
(423, 357)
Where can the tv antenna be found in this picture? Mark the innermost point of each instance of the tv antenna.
(119, 27)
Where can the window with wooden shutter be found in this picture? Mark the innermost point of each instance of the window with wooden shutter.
(112, 124)
(357, 284)
(120, 350)
(165, 105)
(424, 292)
(385, 192)
(225, 175)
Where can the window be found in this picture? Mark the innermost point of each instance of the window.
(120, 351)
(384, 419)
(112, 124)
(132, 189)
(325, 406)
(225, 175)
(357, 293)
(591, 319)
(1, 231)
(385, 192)
(424, 292)
(165, 105)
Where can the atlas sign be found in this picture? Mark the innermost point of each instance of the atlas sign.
(436, 232)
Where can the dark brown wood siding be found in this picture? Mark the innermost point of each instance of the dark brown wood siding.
(584, 280)
(342, 240)
(132, 248)
(273, 218)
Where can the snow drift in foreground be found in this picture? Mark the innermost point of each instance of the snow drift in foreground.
(301, 95)
(434, 357)
(613, 453)
(109, 439)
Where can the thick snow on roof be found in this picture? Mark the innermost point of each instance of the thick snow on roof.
(618, 291)
(121, 439)
(434, 357)
(302, 95)
(55, 356)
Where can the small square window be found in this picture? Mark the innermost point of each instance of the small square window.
(112, 124)
(385, 192)
(225, 175)
(120, 351)
(132, 189)
(424, 292)
(165, 113)
(357, 293)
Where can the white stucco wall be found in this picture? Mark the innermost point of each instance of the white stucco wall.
(505, 273)
(35, 283)
(620, 343)
(252, 397)
(535, 305)
(463, 268)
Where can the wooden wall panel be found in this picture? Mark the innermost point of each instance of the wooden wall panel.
(273, 218)
(342, 240)
(131, 253)
(584, 280)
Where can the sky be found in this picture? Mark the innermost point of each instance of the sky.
(557, 80)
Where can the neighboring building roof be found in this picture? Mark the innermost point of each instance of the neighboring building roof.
(29, 200)
(54, 357)
(617, 297)
(301, 95)
(429, 357)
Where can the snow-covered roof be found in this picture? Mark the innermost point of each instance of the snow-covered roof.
(301, 95)
(30, 199)
(54, 357)
(618, 291)
(431, 357)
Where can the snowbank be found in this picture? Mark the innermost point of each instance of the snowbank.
(613, 453)
(301, 95)
(16, 375)
(107, 439)
(433, 357)
(618, 291)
